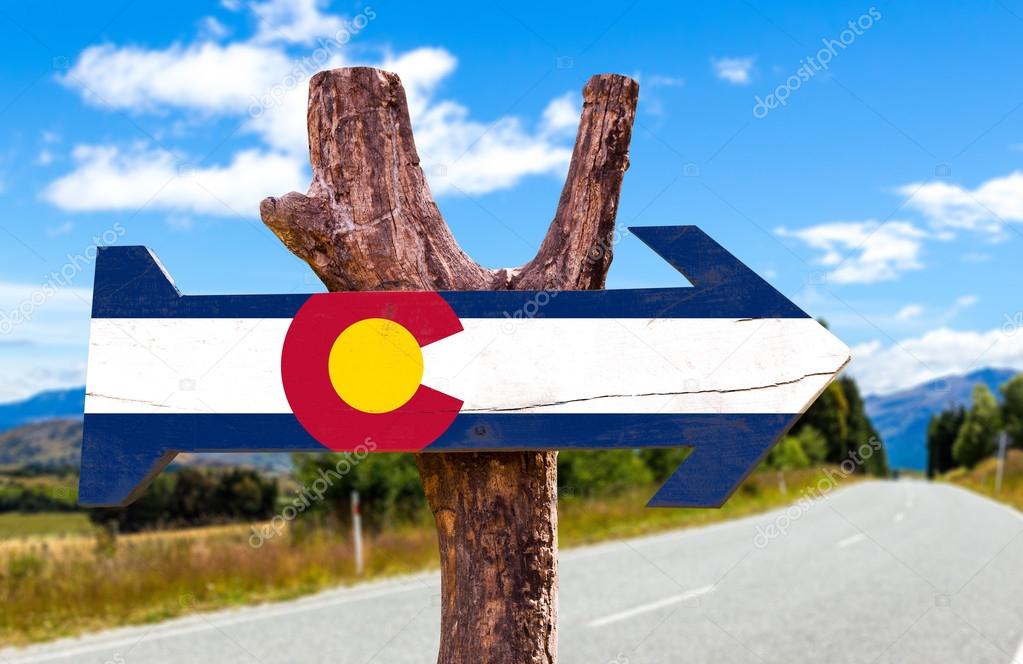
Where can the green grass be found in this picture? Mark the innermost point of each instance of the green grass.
(16, 524)
(982, 479)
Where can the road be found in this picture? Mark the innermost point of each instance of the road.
(875, 572)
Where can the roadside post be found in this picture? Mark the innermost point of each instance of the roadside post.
(1003, 446)
(357, 531)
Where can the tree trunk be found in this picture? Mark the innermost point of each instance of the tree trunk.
(369, 222)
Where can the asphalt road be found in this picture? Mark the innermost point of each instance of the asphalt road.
(876, 572)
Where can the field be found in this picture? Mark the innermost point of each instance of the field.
(982, 479)
(54, 586)
(16, 524)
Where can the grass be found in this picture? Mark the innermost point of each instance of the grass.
(53, 587)
(18, 525)
(981, 479)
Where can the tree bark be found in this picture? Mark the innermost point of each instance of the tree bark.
(369, 222)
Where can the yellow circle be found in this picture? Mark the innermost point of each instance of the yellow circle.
(376, 365)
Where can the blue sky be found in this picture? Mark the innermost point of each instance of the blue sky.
(885, 194)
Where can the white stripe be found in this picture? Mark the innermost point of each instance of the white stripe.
(849, 541)
(652, 606)
(665, 365)
(198, 365)
(186, 365)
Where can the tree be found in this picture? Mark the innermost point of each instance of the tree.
(1012, 409)
(862, 433)
(787, 454)
(941, 436)
(830, 416)
(813, 444)
(663, 461)
(601, 472)
(369, 222)
(976, 437)
(388, 485)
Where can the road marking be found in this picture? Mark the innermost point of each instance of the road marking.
(652, 606)
(899, 517)
(849, 541)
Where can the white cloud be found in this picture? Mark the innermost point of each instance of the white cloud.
(737, 71)
(62, 229)
(966, 301)
(108, 178)
(984, 208)
(44, 158)
(24, 372)
(260, 83)
(295, 21)
(204, 76)
(561, 115)
(45, 313)
(180, 222)
(211, 28)
(864, 251)
(883, 369)
(909, 312)
(662, 81)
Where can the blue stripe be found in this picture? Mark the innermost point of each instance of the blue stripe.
(130, 284)
(121, 453)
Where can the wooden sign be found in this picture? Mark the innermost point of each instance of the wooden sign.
(723, 367)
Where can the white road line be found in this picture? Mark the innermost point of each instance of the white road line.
(899, 516)
(652, 606)
(849, 541)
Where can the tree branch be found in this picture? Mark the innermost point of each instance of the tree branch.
(369, 222)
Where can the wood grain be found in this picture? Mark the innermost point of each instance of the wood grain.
(369, 222)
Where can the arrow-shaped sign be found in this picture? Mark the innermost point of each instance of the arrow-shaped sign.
(723, 367)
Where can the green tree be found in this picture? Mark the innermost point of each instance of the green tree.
(839, 416)
(601, 472)
(830, 416)
(1012, 409)
(976, 437)
(192, 499)
(663, 461)
(941, 436)
(788, 454)
(862, 433)
(813, 444)
(388, 485)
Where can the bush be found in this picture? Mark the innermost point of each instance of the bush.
(194, 497)
(601, 472)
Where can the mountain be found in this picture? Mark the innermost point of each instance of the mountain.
(902, 417)
(58, 442)
(67, 403)
(48, 443)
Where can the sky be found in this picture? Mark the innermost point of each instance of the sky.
(866, 159)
